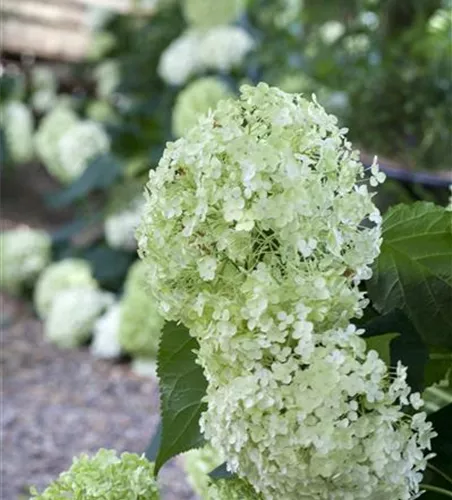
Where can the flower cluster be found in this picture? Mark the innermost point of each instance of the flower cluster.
(50, 131)
(206, 14)
(232, 489)
(120, 225)
(196, 100)
(140, 322)
(107, 77)
(45, 86)
(271, 225)
(197, 464)
(105, 475)
(106, 334)
(17, 122)
(25, 253)
(62, 275)
(72, 315)
(220, 48)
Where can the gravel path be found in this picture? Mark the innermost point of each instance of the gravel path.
(57, 404)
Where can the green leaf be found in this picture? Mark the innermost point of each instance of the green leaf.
(439, 367)
(182, 387)
(221, 472)
(414, 272)
(154, 445)
(101, 173)
(381, 344)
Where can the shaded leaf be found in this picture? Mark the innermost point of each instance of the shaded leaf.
(221, 472)
(182, 387)
(154, 446)
(381, 344)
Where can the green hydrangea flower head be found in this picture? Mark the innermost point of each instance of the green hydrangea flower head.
(107, 76)
(73, 313)
(45, 86)
(51, 129)
(197, 464)
(104, 476)
(231, 489)
(204, 13)
(141, 324)
(59, 276)
(17, 123)
(25, 252)
(195, 100)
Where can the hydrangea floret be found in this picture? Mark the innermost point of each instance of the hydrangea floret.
(72, 315)
(59, 276)
(195, 100)
(140, 324)
(198, 463)
(204, 14)
(271, 224)
(105, 343)
(17, 122)
(105, 475)
(25, 252)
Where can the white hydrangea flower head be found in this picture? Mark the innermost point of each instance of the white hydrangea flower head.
(80, 144)
(45, 86)
(223, 48)
(262, 206)
(120, 226)
(59, 276)
(198, 463)
(107, 76)
(331, 31)
(204, 14)
(51, 129)
(24, 253)
(232, 489)
(17, 122)
(180, 60)
(144, 367)
(196, 100)
(324, 421)
(72, 315)
(105, 343)
(141, 324)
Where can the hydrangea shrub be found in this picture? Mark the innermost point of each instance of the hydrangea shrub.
(18, 125)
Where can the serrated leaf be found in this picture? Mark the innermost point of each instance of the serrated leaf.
(414, 272)
(439, 367)
(154, 446)
(182, 387)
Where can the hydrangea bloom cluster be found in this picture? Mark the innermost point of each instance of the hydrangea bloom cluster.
(50, 131)
(17, 122)
(25, 252)
(195, 100)
(206, 14)
(80, 144)
(59, 276)
(105, 343)
(105, 475)
(140, 324)
(107, 77)
(197, 464)
(271, 225)
(231, 489)
(120, 225)
(45, 86)
(73, 313)
(220, 48)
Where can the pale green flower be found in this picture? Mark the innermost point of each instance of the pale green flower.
(331, 31)
(107, 76)
(231, 489)
(105, 343)
(73, 313)
(59, 276)
(195, 100)
(141, 324)
(17, 123)
(104, 476)
(25, 252)
(120, 226)
(205, 13)
(198, 463)
(51, 129)
(45, 86)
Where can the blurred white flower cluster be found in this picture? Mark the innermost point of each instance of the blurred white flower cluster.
(44, 86)
(121, 224)
(198, 463)
(17, 123)
(195, 100)
(262, 205)
(24, 253)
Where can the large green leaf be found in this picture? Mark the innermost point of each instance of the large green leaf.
(414, 270)
(182, 387)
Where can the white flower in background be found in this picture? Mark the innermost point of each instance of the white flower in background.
(222, 48)
(144, 367)
(198, 463)
(51, 129)
(357, 44)
(17, 123)
(233, 489)
(204, 14)
(107, 76)
(196, 100)
(120, 226)
(73, 313)
(80, 144)
(105, 343)
(59, 276)
(331, 31)
(45, 86)
(180, 60)
(141, 324)
(24, 253)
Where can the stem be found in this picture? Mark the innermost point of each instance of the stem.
(435, 489)
(440, 473)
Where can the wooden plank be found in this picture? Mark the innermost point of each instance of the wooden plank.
(45, 13)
